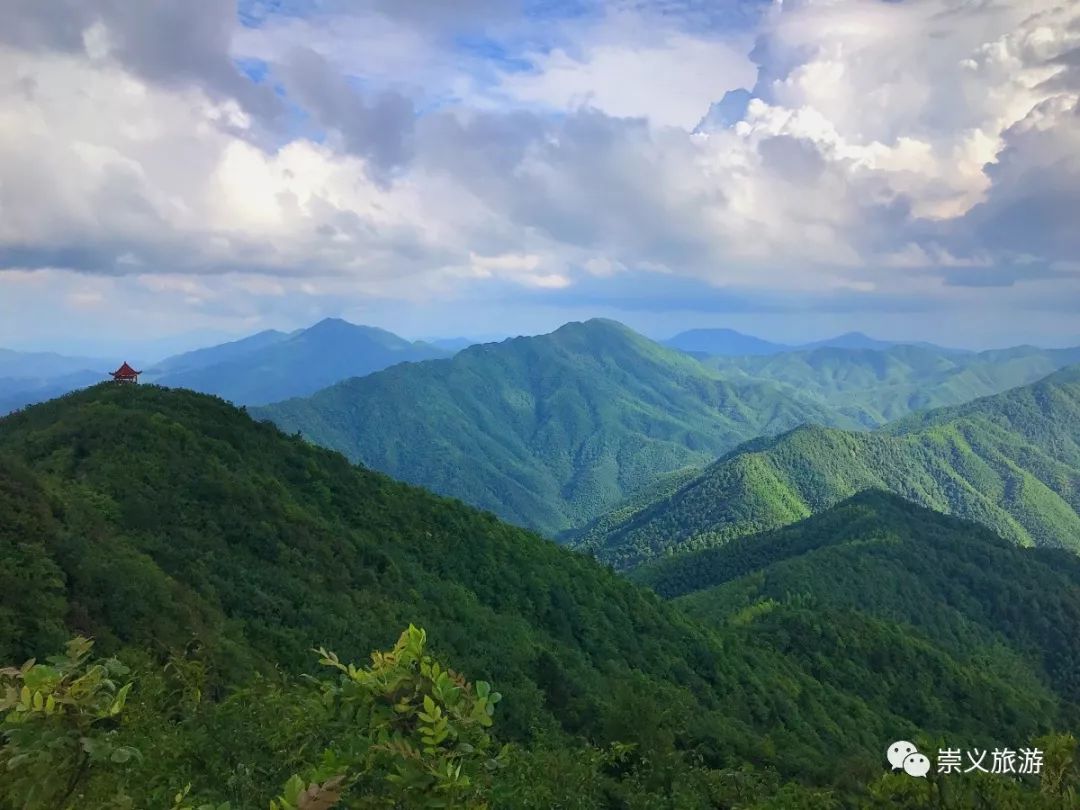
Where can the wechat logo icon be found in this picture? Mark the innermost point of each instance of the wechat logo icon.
(904, 756)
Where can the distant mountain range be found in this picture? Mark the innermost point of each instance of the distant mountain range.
(29, 377)
(875, 386)
(223, 353)
(272, 366)
(1010, 462)
(43, 365)
(546, 431)
(258, 369)
(729, 343)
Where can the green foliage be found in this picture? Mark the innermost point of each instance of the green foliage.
(57, 721)
(547, 432)
(417, 731)
(1010, 462)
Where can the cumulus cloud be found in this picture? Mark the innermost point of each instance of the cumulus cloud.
(842, 148)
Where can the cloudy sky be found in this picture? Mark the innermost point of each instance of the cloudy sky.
(175, 170)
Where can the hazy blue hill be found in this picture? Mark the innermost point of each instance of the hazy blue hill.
(173, 527)
(849, 340)
(453, 344)
(281, 366)
(28, 377)
(876, 386)
(19, 392)
(546, 431)
(211, 355)
(1010, 462)
(729, 343)
(40, 365)
(723, 342)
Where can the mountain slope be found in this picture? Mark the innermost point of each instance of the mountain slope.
(169, 525)
(1010, 462)
(875, 386)
(723, 342)
(544, 431)
(955, 582)
(212, 355)
(295, 365)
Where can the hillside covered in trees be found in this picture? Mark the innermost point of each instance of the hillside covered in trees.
(547, 432)
(210, 553)
(1010, 462)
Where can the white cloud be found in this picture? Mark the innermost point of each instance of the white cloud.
(903, 148)
(630, 65)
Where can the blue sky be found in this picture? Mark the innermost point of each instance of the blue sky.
(173, 171)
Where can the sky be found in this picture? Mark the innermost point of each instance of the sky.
(176, 171)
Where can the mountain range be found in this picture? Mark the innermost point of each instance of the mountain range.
(880, 556)
(548, 431)
(211, 552)
(555, 431)
(1010, 461)
(272, 365)
(875, 386)
(729, 343)
(257, 369)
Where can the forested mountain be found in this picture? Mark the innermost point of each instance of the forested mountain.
(179, 532)
(954, 581)
(879, 385)
(1010, 462)
(271, 365)
(547, 431)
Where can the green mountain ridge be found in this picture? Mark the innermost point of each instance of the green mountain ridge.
(172, 527)
(547, 432)
(1010, 461)
(952, 580)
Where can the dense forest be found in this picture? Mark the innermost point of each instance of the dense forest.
(207, 554)
(550, 431)
(1009, 461)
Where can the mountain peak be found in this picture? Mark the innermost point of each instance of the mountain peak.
(723, 342)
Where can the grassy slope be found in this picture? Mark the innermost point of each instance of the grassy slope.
(1010, 462)
(549, 431)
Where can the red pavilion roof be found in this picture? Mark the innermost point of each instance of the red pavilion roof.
(125, 371)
